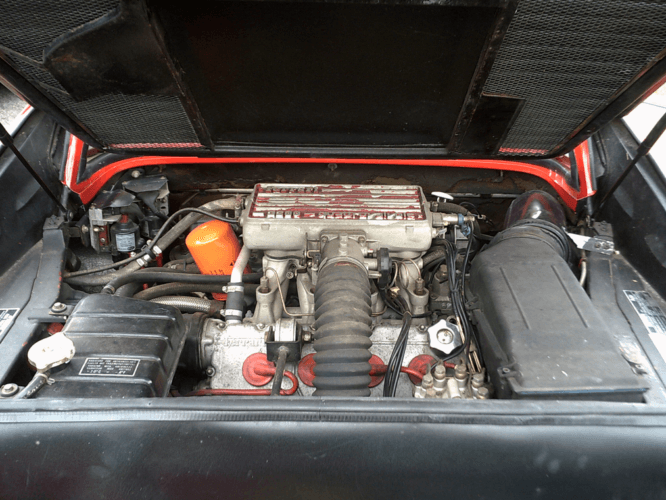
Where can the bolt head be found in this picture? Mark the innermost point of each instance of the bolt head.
(210, 371)
(423, 328)
(260, 326)
(136, 174)
(440, 372)
(9, 389)
(102, 241)
(59, 307)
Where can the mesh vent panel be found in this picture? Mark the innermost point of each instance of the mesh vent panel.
(155, 121)
(36, 73)
(567, 58)
(27, 27)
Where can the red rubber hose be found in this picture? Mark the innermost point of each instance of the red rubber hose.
(251, 392)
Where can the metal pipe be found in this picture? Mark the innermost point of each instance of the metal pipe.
(236, 291)
(240, 265)
(583, 271)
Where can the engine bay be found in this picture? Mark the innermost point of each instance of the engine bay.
(326, 290)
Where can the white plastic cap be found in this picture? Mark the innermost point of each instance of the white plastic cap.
(440, 194)
(50, 352)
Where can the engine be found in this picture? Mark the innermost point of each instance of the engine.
(351, 253)
(326, 291)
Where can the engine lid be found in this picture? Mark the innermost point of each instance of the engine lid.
(397, 78)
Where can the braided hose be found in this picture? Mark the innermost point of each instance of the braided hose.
(342, 331)
(190, 304)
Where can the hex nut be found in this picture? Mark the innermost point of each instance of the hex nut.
(427, 381)
(477, 380)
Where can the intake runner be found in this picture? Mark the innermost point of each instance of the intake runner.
(342, 321)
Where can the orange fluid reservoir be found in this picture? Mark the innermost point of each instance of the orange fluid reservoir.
(215, 248)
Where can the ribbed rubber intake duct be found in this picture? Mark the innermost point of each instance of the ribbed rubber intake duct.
(343, 319)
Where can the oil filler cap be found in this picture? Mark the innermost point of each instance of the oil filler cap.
(53, 351)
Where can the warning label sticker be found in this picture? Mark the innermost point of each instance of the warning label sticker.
(7, 317)
(652, 316)
(110, 367)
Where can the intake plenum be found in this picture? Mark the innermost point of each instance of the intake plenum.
(343, 319)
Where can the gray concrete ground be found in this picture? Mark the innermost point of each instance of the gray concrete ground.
(10, 106)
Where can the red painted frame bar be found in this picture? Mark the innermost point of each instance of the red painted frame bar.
(90, 187)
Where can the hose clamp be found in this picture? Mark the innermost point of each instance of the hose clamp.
(233, 288)
(465, 229)
(143, 261)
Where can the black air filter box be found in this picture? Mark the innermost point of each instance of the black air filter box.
(540, 335)
(125, 348)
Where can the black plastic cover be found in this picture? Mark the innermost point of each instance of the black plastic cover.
(125, 348)
(540, 334)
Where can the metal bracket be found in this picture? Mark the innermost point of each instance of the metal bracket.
(593, 243)
(273, 346)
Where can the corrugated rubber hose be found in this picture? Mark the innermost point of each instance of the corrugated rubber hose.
(343, 319)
